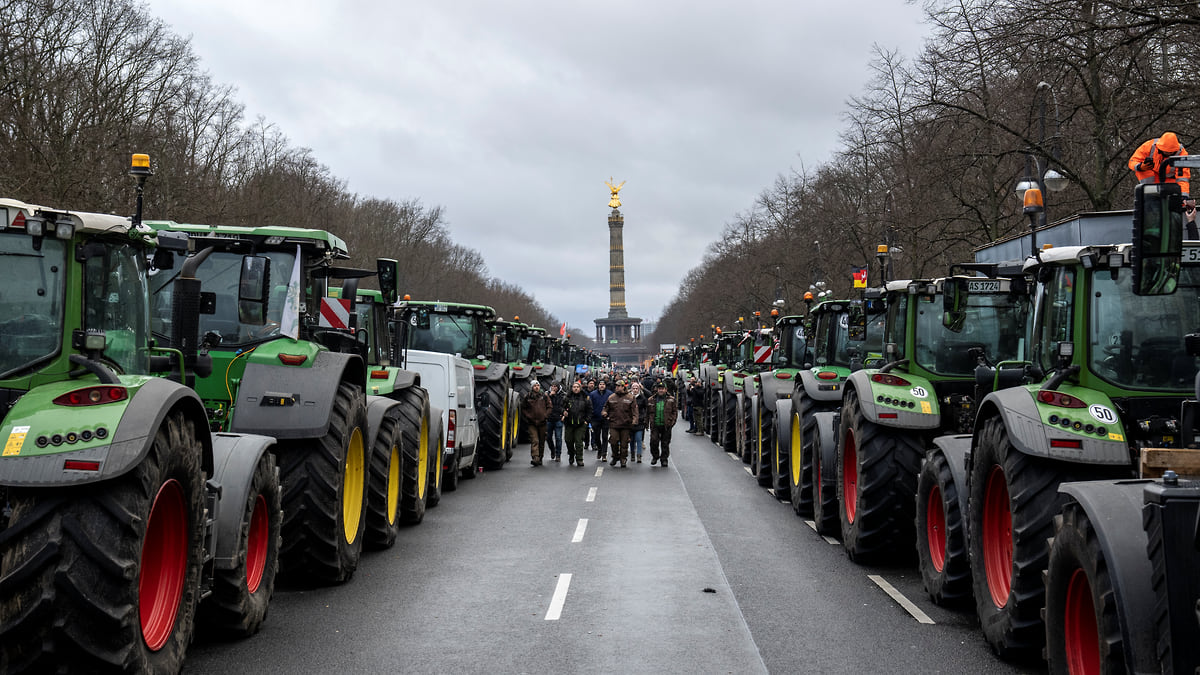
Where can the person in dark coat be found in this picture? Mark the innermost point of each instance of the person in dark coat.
(599, 424)
(695, 398)
(620, 410)
(535, 408)
(554, 423)
(577, 414)
(636, 442)
(661, 417)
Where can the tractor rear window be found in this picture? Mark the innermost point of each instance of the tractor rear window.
(447, 334)
(31, 301)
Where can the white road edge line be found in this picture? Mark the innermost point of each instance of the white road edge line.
(748, 470)
(811, 524)
(907, 604)
(599, 471)
(579, 530)
(830, 540)
(591, 495)
(560, 597)
(733, 456)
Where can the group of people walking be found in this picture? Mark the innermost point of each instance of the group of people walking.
(611, 422)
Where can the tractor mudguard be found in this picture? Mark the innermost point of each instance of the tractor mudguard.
(130, 440)
(820, 390)
(1029, 435)
(377, 407)
(1115, 511)
(956, 449)
(235, 458)
(826, 442)
(783, 421)
(289, 402)
(522, 374)
(774, 388)
(494, 371)
(912, 406)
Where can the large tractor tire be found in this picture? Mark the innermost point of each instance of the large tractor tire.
(107, 576)
(877, 478)
(824, 494)
(941, 534)
(521, 387)
(1013, 501)
(729, 426)
(325, 496)
(514, 424)
(781, 461)
(796, 471)
(414, 431)
(746, 431)
(436, 457)
(240, 597)
(493, 423)
(384, 485)
(1083, 633)
(764, 446)
(714, 416)
(804, 427)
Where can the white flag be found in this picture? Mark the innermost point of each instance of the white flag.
(289, 322)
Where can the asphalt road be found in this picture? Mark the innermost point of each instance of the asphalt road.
(692, 568)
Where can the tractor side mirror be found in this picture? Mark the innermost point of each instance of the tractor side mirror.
(1157, 238)
(389, 274)
(954, 304)
(253, 285)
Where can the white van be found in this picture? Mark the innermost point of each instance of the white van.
(450, 382)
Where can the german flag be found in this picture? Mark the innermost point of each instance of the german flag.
(860, 277)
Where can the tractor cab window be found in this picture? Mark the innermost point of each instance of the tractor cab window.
(446, 334)
(831, 338)
(31, 300)
(994, 324)
(895, 323)
(1136, 342)
(114, 301)
(1054, 316)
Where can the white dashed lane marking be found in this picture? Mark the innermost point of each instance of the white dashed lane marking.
(560, 597)
(579, 530)
(599, 471)
(907, 604)
(591, 495)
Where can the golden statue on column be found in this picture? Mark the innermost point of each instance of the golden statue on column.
(615, 202)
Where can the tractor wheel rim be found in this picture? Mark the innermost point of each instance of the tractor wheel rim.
(1081, 637)
(997, 537)
(257, 539)
(423, 460)
(163, 564)
(935, 528)
(393, 485)
(850, 477)
(796, 451)
(353, 486)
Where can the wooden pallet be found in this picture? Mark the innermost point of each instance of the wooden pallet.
(1185, 462)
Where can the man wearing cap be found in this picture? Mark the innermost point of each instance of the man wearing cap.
(535, 408)
(662, 410)
(621, 413)
(1147, 162)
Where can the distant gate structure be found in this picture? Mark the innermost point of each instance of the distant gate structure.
(619, 335)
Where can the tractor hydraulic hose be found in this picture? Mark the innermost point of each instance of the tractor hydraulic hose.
(185, 314)
(239, 355)
(1059, 377)
(894, 364)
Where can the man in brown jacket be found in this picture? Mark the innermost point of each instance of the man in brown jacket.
(660, 414)
(621, 412)
(535, 408)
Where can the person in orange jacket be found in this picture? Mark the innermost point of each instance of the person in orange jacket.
(1146, 162)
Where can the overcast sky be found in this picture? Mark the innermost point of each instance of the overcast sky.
(512, 115)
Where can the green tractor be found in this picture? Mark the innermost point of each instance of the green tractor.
(458, 328)
(298, 372)
(1107, 397)
(772, 409)
(123, 518)
(927, 388)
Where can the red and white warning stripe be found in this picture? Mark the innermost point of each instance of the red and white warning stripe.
(762, 354)
(335, 313)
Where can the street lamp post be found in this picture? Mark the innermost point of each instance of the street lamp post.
(1044, 177)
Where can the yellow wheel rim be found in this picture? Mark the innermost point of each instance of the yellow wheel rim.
(423, 460)
(353, 486)
(437, 475)
(393, 490)
(794, 458)
(504, 424)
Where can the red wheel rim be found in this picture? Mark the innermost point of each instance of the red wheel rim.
(850, 477)
(164, 565)
(935, 528)
(1081, 637)
(997, 537)
(256, 544)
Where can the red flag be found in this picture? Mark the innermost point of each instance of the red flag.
(562, 332)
